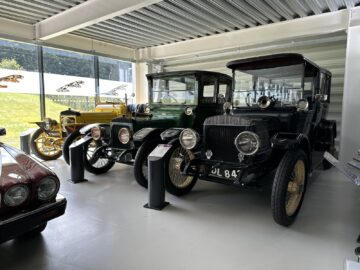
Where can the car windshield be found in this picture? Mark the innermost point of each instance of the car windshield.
(283, 83)
(176, 90)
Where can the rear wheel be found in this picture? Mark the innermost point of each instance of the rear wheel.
(176, 183)
(141, 162)
(45, 147)
(73, 137)
(95, 160)
(289, 187)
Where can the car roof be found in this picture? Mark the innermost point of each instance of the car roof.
(273, 60)
(188, 72)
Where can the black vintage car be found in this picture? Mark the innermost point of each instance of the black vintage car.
(277, 123)
(176, 99)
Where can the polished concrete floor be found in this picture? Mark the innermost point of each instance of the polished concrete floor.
(214, 227)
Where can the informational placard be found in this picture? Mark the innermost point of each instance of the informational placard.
(160, 150)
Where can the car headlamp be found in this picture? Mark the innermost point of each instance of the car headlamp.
(247, 143)
(147, 110)
(16, 195)
(303, 105)
(189, 138)
(96, 133)
(124, 135)
(47, 188)
(65, 121)
(188, 111)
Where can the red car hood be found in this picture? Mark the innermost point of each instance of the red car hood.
(17, 167)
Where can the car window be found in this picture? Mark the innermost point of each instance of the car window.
(223, 89)
(209, 91)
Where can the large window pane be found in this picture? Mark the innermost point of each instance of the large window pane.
(115, 80)
(69, 81)
(19, 89)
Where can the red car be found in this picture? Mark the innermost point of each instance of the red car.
(28, 194)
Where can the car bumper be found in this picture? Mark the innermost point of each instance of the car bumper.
(19, 224)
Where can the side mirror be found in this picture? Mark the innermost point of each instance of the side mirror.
(2, 131)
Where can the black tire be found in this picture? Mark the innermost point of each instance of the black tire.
(140, 163)
(104, 164)
(74, 136)
(282, 211)
(175, 183)
(35, 147)
(38, 229)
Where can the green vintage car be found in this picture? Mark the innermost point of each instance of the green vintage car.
(176, 99)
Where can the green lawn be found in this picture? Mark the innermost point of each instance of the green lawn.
(17, 110)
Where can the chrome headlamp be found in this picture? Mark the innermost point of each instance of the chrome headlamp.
(96, 133)
(124, 135)
(16, 195)
(65, 121)
(147, 110)
(47, 188)
(189, 138)
(303, 105)
(188, 111)
(247, 143)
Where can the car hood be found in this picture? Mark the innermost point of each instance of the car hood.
(17, 167)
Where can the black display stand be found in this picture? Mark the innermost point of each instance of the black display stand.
(77, 156)
(156, 173)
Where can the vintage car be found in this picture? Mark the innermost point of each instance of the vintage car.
(28, 194)
(277, 124)
(176, 99)
(53, 138)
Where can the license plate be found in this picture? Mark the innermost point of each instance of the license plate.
(225, 173)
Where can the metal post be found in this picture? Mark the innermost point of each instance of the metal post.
(97, 79)
(156, 179)
(41, 81)
(77, 160)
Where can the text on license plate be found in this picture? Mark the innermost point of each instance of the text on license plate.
(223, 173)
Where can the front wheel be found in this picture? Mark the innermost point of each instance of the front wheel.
(44, 146)
(289, 187)
(176, 183)
(95, 160)
(141, 162)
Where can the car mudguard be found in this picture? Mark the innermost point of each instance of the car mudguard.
(146, 133)
(291, 141)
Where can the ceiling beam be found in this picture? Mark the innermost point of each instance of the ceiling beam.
(86, 14)
(285, 31)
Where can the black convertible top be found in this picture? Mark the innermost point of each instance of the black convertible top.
(274, 60)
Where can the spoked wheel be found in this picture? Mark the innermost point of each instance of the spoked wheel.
(95, 160)
(289, 187)
(45, 147)
(176, 183)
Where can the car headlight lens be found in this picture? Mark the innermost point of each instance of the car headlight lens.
(189, 138)
(147, 110)
(96, 133)
(65, 121)
(16, 195)
(247, 143)
(188, 111)
(303, 105)
(124, 135)
(47, 188)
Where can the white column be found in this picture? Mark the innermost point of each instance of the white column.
(141, 84)
(350, 124)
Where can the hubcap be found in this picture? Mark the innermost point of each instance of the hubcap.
(295, 188)
(178, 158)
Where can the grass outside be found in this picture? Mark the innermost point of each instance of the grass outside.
(17, 110)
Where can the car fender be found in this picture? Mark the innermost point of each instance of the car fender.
(291, 141)
(86, 129)
(170, 134)
(146, 133)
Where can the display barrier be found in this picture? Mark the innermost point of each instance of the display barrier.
(352, 171)
(156, 177)
(25, 140)
(77, 160)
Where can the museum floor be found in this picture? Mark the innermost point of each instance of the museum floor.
(214, 227)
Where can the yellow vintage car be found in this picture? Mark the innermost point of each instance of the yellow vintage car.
(53, 138)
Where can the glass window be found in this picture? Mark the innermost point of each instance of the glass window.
(175, 90)
(69, 81)
(209, 90)
(115, 80)
(282, 83)
(19, 89)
